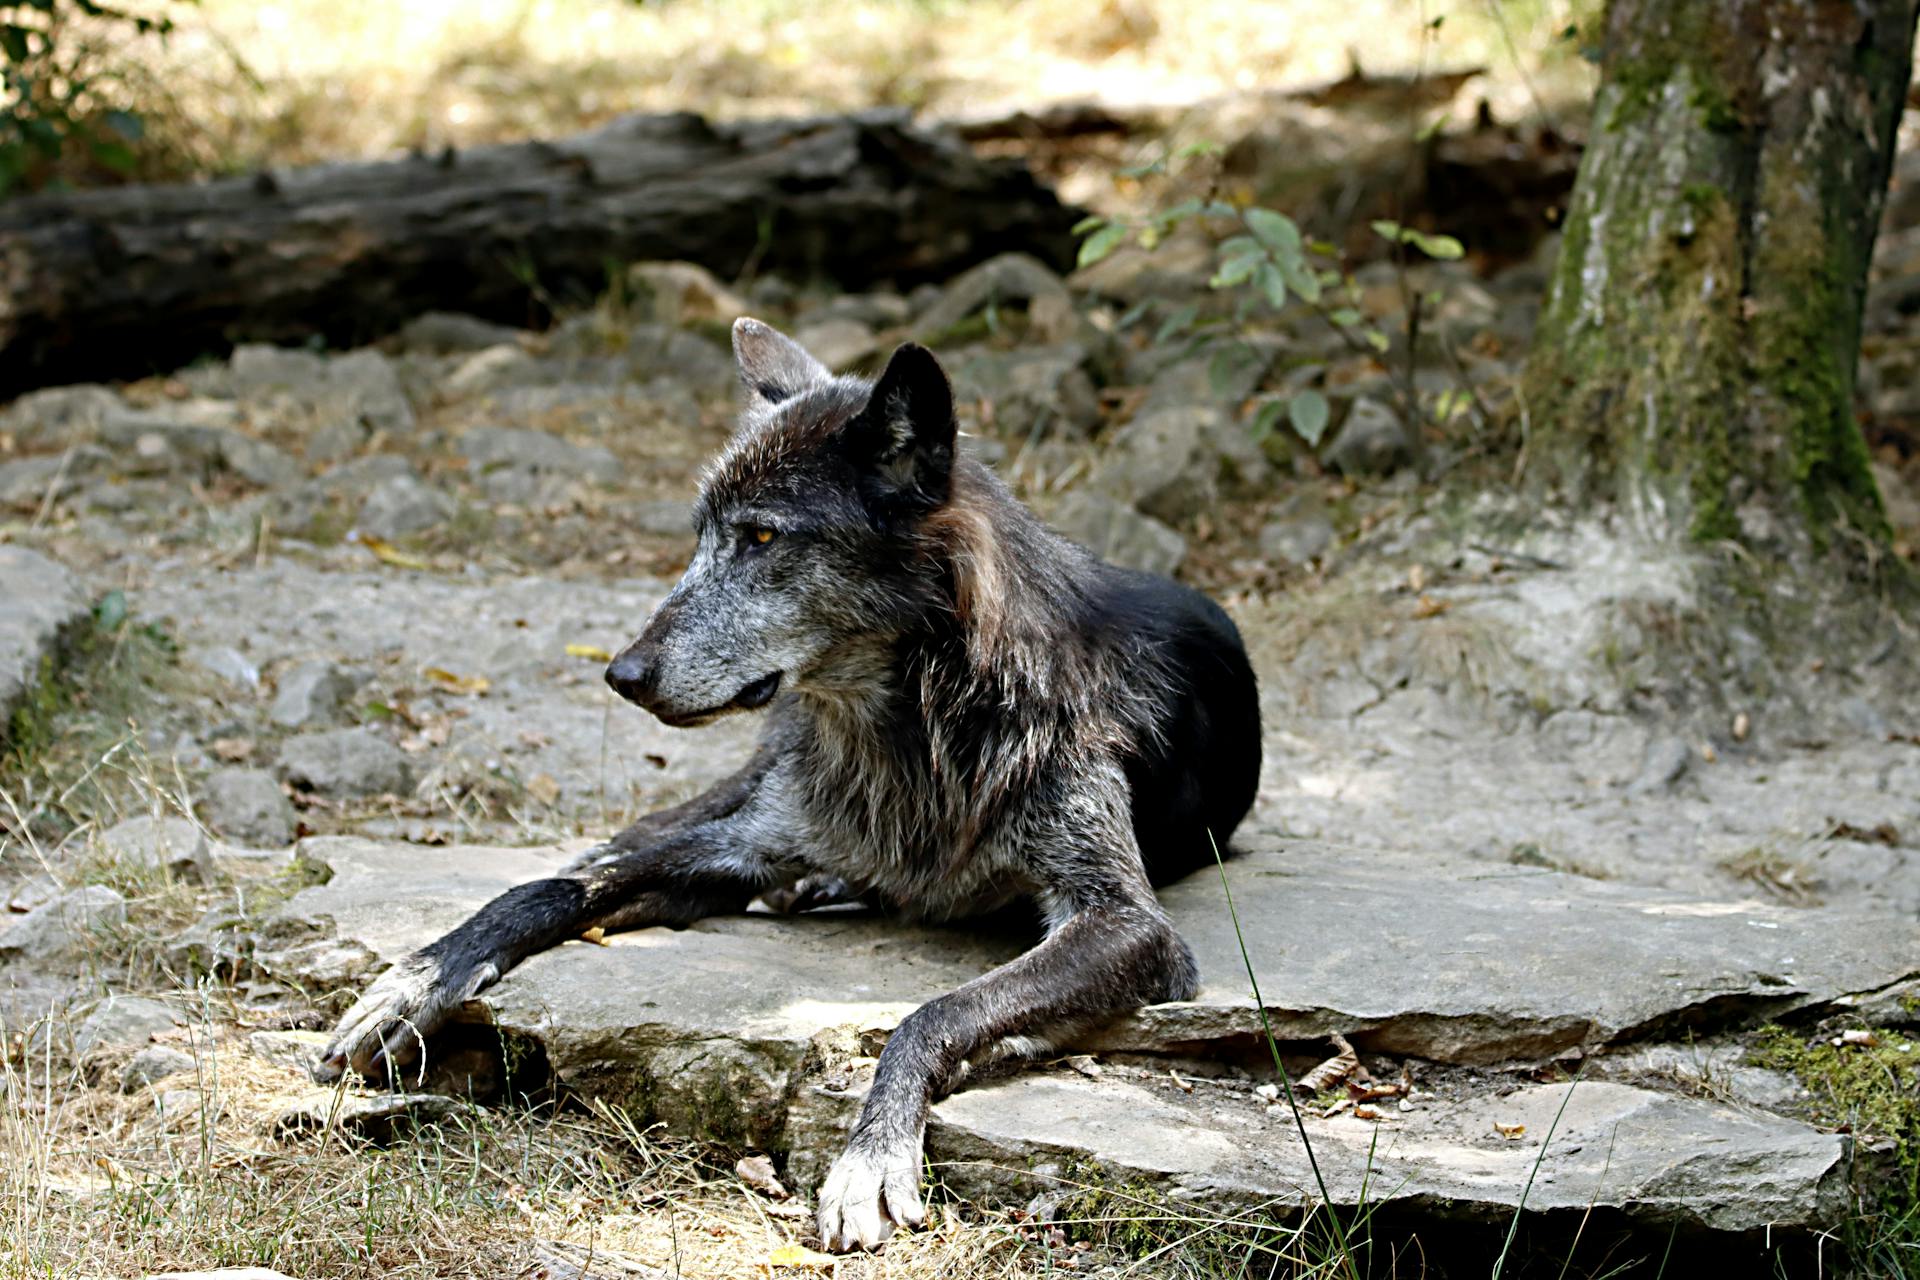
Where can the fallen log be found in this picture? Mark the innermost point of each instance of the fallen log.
(134, 280)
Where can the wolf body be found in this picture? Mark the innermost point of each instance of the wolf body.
(964, 711)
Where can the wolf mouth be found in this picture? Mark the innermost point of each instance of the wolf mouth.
(751, 698)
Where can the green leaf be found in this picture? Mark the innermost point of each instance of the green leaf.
(1091, 222)
(1241, 247)
(1266, 418)
(117, 156)
(1204, 147)
(1300, 278)
(1101, 243)
(1308, 411)
(111, 611)
(1445, 248)
(1176, 323)
(1378, 341)
(1345, 317)
(1272, 285)
(1235, 271)
(1276, 230)
(1142, 170)
(1388, 228)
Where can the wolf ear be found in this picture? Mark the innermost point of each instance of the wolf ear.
(903, 439)
(773, 366)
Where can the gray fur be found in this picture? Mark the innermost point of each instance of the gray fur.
(955, 725)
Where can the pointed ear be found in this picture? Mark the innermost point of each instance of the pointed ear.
(773, 366)
(903, 439)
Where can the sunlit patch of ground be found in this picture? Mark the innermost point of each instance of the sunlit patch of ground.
(291, 81)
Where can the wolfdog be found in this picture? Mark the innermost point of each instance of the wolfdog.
(966, 711)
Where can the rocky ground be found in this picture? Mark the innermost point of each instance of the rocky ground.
(357, 605)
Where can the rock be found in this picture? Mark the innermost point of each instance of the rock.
(153, 1064)
(1902, 503)
(1028, 392)
(1173, 271)
(510, 463)
(247, 805)
(41, 603)
(1654, 1157)
(402, 506)
(1222, 376)
(839, 344)
(682, 293)
(225, 662)
(69, 923)
(179, 439)
(1008, 278)
(1299, 533)
(297, 1051)
(452, 333)
(345, 762)
(56, 417)
(492, 368)
(310, 692)
(1666, 762)
(28, 483)
(1118, 534)
(665, 517)
(173, 845)
(381, 1118)
(1170, 464)
(360, 386)
(119, 1021)
(592, 347)
(216, 943)
(1372, 441)
(1538, 965)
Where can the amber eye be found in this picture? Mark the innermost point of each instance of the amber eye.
(762, 536)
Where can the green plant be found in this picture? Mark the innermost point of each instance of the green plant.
(62, 97)
(1266, 266)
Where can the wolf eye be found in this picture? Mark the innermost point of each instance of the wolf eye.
(763, 536)
(758, 535)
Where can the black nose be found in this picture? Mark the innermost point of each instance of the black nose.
(632, 674)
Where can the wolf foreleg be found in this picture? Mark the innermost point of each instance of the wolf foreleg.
(698, 872)
(1099, 962)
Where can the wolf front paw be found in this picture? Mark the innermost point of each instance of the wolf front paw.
(867, 1194)
(388, 1025)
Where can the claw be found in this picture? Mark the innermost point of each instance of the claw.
(867, 1194)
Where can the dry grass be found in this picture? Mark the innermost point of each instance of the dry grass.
(299, 80)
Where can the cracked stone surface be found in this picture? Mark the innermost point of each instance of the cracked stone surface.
(39, 600)
(717, 1029)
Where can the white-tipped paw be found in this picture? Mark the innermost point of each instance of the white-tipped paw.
(388, 1025)
(867, 1194)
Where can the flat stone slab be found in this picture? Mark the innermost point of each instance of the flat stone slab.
(1615, 1147)
(726, 1029)
(39, 601)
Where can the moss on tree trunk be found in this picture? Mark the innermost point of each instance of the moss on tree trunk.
(1696, 355)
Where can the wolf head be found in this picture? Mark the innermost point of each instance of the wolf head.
(809, 560)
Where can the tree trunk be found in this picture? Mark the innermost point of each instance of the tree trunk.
(1695, 358)
(125, 282)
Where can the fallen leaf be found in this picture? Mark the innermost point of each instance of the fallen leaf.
(1085, 1065)
(1511, 1132)
(1368, 1113)
(1417, 579)
(798, 1255)
(1864, 1039)
(592, 651)
(596, 935)
(544, 788)
(457, 684)
(1185, 1087)
(757, 1173)
(387, 553)
(1335, 1069)
(232, 750)
(1742, 726)
(1428, 607)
